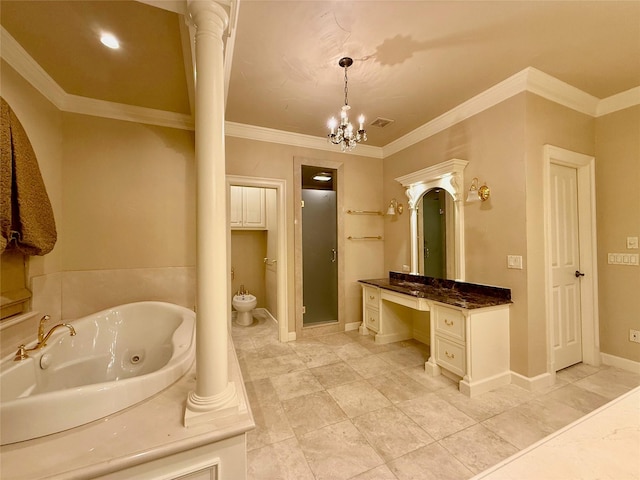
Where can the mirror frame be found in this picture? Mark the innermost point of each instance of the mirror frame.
(448, 175)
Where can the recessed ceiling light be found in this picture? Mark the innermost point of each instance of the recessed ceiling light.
(322, 177)
(109, 40)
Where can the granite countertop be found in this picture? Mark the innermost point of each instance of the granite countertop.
(450, 292)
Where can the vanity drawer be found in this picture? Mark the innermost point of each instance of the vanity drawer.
(371, 296)
(372, 319)
(450, 355)
(449, 322)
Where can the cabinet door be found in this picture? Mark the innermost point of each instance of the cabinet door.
(253, 208)
(235, 211)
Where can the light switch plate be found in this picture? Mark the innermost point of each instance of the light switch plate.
(632, 242)
(514, 261)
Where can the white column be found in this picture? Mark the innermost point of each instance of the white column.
(214, 395)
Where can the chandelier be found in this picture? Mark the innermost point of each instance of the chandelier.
(343, 133)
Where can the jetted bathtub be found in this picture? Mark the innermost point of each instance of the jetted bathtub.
(119, 357)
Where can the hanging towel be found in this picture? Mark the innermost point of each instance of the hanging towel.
(26, 216)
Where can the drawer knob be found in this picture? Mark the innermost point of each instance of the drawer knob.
(449, 355)
(448, 322)
(372, 297)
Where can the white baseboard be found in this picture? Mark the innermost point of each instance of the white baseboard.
(291, 337)
(486, 385)
(619, 362)
(351, 326)
(532, 383)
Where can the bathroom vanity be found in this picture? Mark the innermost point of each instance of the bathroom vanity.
(468, 325)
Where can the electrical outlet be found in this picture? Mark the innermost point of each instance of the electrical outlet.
(634, 335)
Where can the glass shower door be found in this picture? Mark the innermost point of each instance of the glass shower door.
(319, 257)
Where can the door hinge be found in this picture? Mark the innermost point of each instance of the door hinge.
(304, 309)
(301, 203)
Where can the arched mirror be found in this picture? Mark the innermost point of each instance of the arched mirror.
(429, 191)
(436, 234)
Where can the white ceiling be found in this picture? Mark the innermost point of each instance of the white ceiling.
(413, 60)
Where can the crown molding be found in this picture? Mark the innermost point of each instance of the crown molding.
(622, 100)
(262, 134)
(528, 80)
(16, 56)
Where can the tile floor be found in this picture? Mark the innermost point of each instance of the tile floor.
(341, 407)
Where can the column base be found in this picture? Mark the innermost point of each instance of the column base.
(204, 409)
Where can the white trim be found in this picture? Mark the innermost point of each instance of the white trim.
(530, 79)
(472, 389)
(30, 70)
(291, 337)
(533, 384)
(619, 362)
(585, 171)
(271, 135)
(560, 92)
(280, 185)
(352, 326)
(622, 100)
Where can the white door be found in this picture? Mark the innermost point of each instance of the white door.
(565, 266)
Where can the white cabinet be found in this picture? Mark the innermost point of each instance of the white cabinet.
(472, 344)
(370, 307)
(247, 208)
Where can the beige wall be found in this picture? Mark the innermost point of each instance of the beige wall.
(504, 147)
(248, 249)
(129, 195)
(546, 123)
(618, 217)
(362, 190)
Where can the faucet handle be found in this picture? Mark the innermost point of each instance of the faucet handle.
(43, 320)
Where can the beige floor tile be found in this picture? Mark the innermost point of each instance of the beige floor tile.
(259, 367)
(372, 366)
(432, 462)
(398, 387)
(272, 426)
(405, 357)
(576, 372)
(261, 392)
(274, 350)
(315, 354)
(432, 383)
(527, 423)
(336, 339)
(295, 384)
(391, 432)
(478, 448)
(583, 400)
(487, 404)
(368, 342)
(351, 351)
(312, 411)
(335, 374)
(439, 418)
(279, 461)
(609, 382)
(358, 398)
(338, 452)
(379, 473)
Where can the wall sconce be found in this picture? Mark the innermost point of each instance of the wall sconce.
(476, 193)
(395, 208)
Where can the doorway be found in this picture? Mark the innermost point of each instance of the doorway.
(275, 264)
(319, 267)
(570, 266)
(319, 246)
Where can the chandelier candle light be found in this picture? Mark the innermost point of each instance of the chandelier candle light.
(342, 134)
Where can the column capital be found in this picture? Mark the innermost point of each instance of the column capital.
(208, 14)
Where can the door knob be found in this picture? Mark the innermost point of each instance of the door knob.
(579, 274)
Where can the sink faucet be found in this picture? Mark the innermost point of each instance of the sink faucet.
(21, 354)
